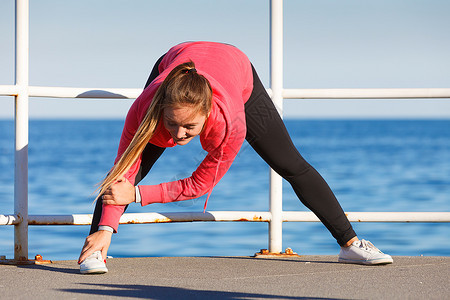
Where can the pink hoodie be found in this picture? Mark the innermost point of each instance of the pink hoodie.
(230, 75)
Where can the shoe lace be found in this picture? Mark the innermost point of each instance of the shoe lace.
(367, 245)
(96, 255)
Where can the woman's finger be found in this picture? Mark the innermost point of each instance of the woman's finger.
(85, 252)
(108, 200)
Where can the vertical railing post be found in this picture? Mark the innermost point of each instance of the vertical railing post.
(21, 131)
(276, 84)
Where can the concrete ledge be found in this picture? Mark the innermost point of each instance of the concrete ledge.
(305, 277)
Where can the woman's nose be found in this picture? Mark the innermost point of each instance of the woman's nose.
(180, 132)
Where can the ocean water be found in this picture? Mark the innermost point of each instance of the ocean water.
(371, 165)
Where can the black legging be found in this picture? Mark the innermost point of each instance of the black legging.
(267, 134)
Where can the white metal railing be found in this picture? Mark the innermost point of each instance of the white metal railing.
(275, 216)
(230, 216)
(130, 93)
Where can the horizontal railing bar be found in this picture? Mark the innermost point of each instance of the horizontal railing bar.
(229, 216)
(144, 218)
(381, 93)
(69, 92)
(10, 219)
(216, 216)
(401, 217)
(9, 90)
(132, 93)
(75, 219)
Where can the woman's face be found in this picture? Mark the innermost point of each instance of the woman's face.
(182, 124)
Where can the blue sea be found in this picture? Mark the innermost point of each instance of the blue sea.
(371, 165)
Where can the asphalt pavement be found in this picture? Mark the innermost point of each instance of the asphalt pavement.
(304, 277)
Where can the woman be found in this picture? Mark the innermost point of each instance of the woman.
(209, 90)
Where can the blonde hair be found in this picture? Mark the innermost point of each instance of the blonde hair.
(182, 87)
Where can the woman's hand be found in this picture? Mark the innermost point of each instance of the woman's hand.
(122, 192)
(99, 240)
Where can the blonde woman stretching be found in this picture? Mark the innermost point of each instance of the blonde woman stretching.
(209, 90)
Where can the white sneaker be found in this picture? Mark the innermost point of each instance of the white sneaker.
(365, 253)
(94, 264)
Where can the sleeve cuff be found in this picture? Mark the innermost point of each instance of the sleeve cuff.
(138, 195)
(106, 228)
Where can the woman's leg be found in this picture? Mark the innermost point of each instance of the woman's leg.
(149, 156)
(154, 73)
(267, 134)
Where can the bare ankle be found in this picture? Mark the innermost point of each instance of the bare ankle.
(350, 242)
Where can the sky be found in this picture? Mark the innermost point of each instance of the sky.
(327, 44)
